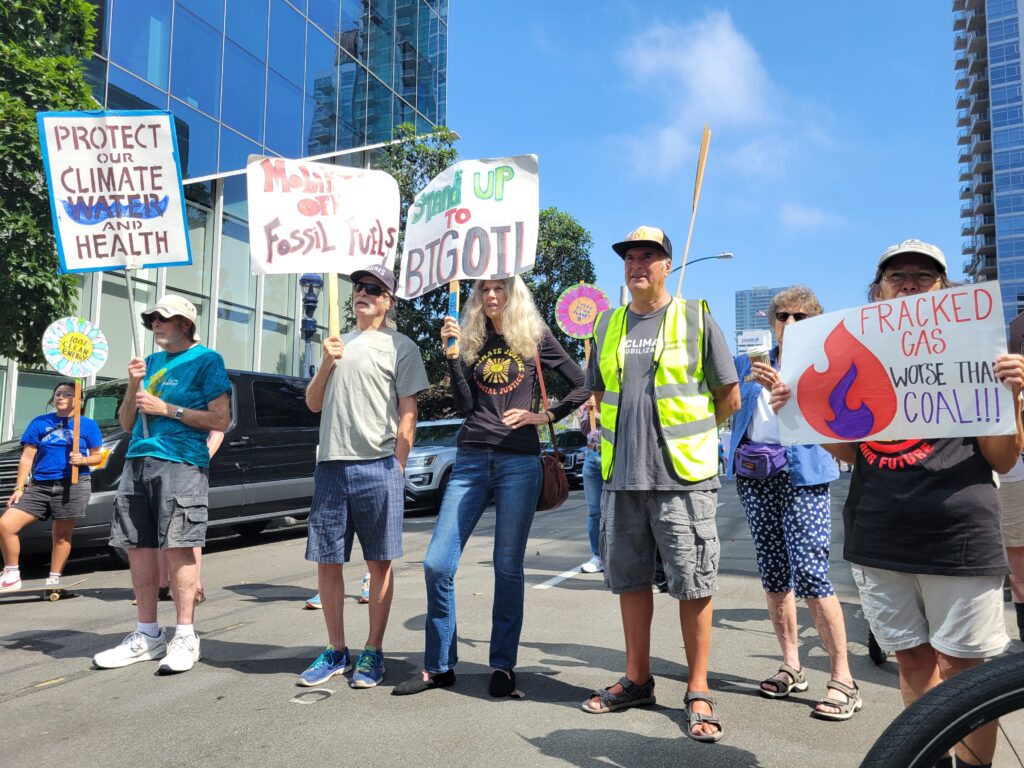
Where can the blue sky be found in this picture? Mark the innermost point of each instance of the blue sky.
(833, 129)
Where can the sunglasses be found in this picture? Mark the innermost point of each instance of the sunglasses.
(369, 289)
(797, 316)
(922, 279)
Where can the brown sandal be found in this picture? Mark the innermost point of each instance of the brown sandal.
(782, 689)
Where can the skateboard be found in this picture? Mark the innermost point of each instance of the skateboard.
(52, 592)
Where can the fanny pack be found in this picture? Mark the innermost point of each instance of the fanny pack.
(759, 461)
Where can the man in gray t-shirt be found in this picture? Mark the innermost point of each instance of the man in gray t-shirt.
(366, 388)
(664, 377)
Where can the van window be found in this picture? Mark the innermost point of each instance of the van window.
(101, 403)
(282, 404)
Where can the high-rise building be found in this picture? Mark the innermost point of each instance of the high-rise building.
(752, 315)
(990, 140)
(292, 78)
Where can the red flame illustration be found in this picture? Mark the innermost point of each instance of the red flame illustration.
(853, 397)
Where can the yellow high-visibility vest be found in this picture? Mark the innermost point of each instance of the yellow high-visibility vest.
(685, 409)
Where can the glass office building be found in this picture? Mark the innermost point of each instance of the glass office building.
(293, 78)
(990, 141)
(752, 315)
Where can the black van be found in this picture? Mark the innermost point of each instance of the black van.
(262, 472)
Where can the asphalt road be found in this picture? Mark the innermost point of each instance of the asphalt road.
(240, 707)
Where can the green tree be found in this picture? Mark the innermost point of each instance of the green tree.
(42, 46)
(414, 162)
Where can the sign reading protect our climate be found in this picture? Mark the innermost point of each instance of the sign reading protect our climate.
(477, 220)
(905, 369)
(316, 217)
(115, 189)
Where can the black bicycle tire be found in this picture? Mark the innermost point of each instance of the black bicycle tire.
(939, 719)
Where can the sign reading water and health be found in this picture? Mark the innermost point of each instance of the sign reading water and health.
(315, 217)
(910, 368)
(477, 220)
(115, 189)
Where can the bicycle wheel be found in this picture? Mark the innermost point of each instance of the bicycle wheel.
(933, 724)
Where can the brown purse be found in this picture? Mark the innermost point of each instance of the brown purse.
(554, 488)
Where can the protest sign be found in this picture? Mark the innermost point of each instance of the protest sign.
(115, 189)
(477, 220)
(74, 347)
(317, 217)
(910, 368)
(576, 311)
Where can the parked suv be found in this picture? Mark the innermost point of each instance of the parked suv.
(430, 464)
(262, 472)
(572, 444)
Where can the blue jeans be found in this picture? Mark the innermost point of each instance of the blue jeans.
(513, 481)
(592, 485)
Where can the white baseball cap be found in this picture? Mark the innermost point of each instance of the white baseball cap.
(912, 246)
(173, 306)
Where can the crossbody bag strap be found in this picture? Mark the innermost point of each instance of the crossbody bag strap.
(544, 400)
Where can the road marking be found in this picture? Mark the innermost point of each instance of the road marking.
(554, 582)
(314, 696)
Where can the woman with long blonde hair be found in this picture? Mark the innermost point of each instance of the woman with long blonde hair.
(502, 339)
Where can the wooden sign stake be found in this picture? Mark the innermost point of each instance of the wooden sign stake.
(705, 140)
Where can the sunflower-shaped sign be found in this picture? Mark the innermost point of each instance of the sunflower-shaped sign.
(74, 347)
(578, 307)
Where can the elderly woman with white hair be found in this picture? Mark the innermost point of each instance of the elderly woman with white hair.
(504, 344)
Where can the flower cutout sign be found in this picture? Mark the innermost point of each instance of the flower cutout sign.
(74, 347)
(578, 307)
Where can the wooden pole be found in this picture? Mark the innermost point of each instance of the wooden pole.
(586, 365)
(136, 346)
(333, 313)
(705, 140)
(77, 431)
(453, 311)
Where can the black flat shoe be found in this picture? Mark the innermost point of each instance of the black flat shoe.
(502, 683)
(419, 685)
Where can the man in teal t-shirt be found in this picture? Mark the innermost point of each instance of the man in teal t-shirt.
(162, 499)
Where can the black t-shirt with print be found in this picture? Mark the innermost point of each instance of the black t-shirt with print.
(924, 506)
(498, 380)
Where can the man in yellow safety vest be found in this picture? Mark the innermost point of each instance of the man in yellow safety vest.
(664, 378)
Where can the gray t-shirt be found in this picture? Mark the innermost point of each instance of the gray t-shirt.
(639, 459)
(360, 414)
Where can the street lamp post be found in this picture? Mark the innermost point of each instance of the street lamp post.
(724, 255)
(310, 285)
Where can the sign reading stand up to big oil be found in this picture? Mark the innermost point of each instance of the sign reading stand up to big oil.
(115, 189)
(477, 220)
(911, 368)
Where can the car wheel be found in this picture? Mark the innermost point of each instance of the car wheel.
(250, 530)
(118, 555)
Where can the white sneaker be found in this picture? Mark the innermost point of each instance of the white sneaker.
(135, 647)
(53, 581)
(10, 581)
(593, 565)
(182, 654)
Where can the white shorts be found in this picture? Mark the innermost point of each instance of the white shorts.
(960, 616)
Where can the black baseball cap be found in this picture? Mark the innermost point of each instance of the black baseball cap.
(379, 271)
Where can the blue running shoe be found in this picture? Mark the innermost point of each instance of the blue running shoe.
(327, 665)
(313, 603)
(369, 668)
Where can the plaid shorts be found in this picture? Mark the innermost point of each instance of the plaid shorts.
(356, 497)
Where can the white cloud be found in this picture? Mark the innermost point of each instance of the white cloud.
(707, 66)
(804, 218)
(689, 74)
(765, 156)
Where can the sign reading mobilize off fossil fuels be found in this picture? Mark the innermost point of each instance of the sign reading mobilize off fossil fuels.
(115, 189)
(477, 220)
(316, 217)
(905, 369)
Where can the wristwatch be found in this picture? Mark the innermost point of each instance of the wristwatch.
(179, 413)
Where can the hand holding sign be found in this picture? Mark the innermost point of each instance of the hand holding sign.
(75, 347)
